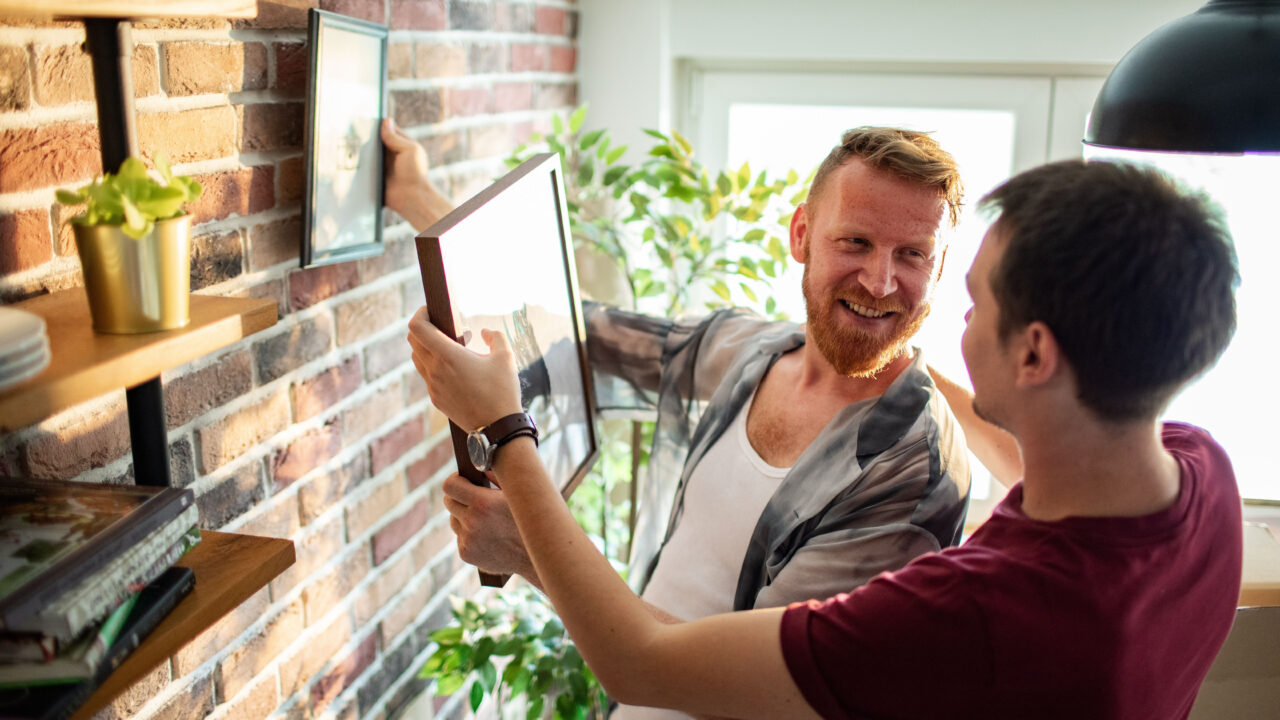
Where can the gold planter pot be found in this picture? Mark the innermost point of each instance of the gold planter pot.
(137, 286)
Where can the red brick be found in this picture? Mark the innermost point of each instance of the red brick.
(466, 101)
(15, 79)
(528, 58)
(415, 389)
(436, 60)
(411, 108)
(412, 296)
(189, 396)
(63, 74)
(276, 517)
(322, 595)
(255, 66)
(293, 62)
(322, 491)
(309, 286)
(399, 60)
(488, 141)
(228, 438)
(366, 513)
(245, 662)
(127, 703)
(185, 23)
(231, 497)
(444, 148)
(291, 182)
(255, 702)
(190, 135)
(88, 443)
(428, 547)
(418, 15)
(377, 594)
(343, 674)
(385, 356)
(564, 58)
(241, 192)
(146, 74)
(397, 532)
(321, 391)
(306, 453)
(423, 470)
(294, 347)
(273, 126)
(274, 243)
(371, 10)
(556, 96)
(396, 255)
(404, 610)
(297, 670)
(216, 258)
(486, 58)
(367, 315)
(512, 97)
(194, 701)
(271, 290)
(365, 416)
(197, 68)
(550, 20)
(282, 14)
(48, 155)
(467, 15)
(26, 240)
(322, 542)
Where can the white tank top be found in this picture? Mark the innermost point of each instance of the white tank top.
(697, 573)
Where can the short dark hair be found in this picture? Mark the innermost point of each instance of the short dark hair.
(912, 156)
(1134, 275)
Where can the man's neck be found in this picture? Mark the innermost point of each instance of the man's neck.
(1087, 468)
(817, 376)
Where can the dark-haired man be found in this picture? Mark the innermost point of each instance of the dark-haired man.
(1101, 587)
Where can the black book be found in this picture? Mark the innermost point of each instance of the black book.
(54, 534)
(58, 702)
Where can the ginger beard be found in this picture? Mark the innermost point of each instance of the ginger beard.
(852, 351)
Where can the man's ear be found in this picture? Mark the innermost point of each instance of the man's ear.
(800, 232)
(1037, 354)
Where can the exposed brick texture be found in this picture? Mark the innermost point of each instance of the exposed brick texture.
(49, 155)
(189, 396)
(317, 393)
(216, 258)
(228, 438)
(318, 429)
(15, 79)
(25, 240)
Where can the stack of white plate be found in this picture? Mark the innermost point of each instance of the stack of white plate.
(24, 346)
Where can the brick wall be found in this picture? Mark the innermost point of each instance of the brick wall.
(317, 429)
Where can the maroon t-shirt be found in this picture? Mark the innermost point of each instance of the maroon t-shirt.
(1080, 618)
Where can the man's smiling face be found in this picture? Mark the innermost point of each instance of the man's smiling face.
(869, 247)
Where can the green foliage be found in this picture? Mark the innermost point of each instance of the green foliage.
(132, 198)
(514, 647)
(677, 231)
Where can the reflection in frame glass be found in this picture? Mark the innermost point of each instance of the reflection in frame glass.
(342, 205)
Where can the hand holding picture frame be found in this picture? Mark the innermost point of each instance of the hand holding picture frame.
(504, 260)
(342, 205)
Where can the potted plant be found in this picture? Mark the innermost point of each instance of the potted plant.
(134, 242)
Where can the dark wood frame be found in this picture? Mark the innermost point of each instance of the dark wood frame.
(544, 170)
(316, 103)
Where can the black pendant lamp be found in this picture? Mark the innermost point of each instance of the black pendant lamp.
(1205, 83)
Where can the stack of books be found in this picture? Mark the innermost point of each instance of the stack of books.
(86, 572)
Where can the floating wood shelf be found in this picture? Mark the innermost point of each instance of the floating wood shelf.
(229, 569)
(140, 9)
(1261, 584)
(86, 364)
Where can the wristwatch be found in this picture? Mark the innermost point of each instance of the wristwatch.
(483, 442)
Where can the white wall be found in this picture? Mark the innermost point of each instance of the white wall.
(630, 50)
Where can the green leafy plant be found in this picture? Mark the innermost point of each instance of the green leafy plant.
(132, 198)
(677, 231)
(514, 649)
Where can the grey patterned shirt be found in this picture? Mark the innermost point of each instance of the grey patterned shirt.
(886, 480)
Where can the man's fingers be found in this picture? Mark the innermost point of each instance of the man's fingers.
(394, 137)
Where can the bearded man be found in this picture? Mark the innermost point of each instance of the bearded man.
(789, 462)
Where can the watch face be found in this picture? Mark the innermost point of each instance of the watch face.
(478, 449)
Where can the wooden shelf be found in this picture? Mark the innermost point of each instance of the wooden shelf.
(86, 364)
(229, 569)
(141, 9)
(1261, 583)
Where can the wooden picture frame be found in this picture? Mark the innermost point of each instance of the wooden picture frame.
(504, 260)
(346, 101)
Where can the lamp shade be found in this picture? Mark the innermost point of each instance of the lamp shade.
(1208, 82)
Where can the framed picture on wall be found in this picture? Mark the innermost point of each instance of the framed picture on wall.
(503, 260)
(342, 204)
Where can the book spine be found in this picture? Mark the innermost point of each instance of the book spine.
(156, 602)
(79, 661)
(19, 607)
(27, 647)
(76, 609)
